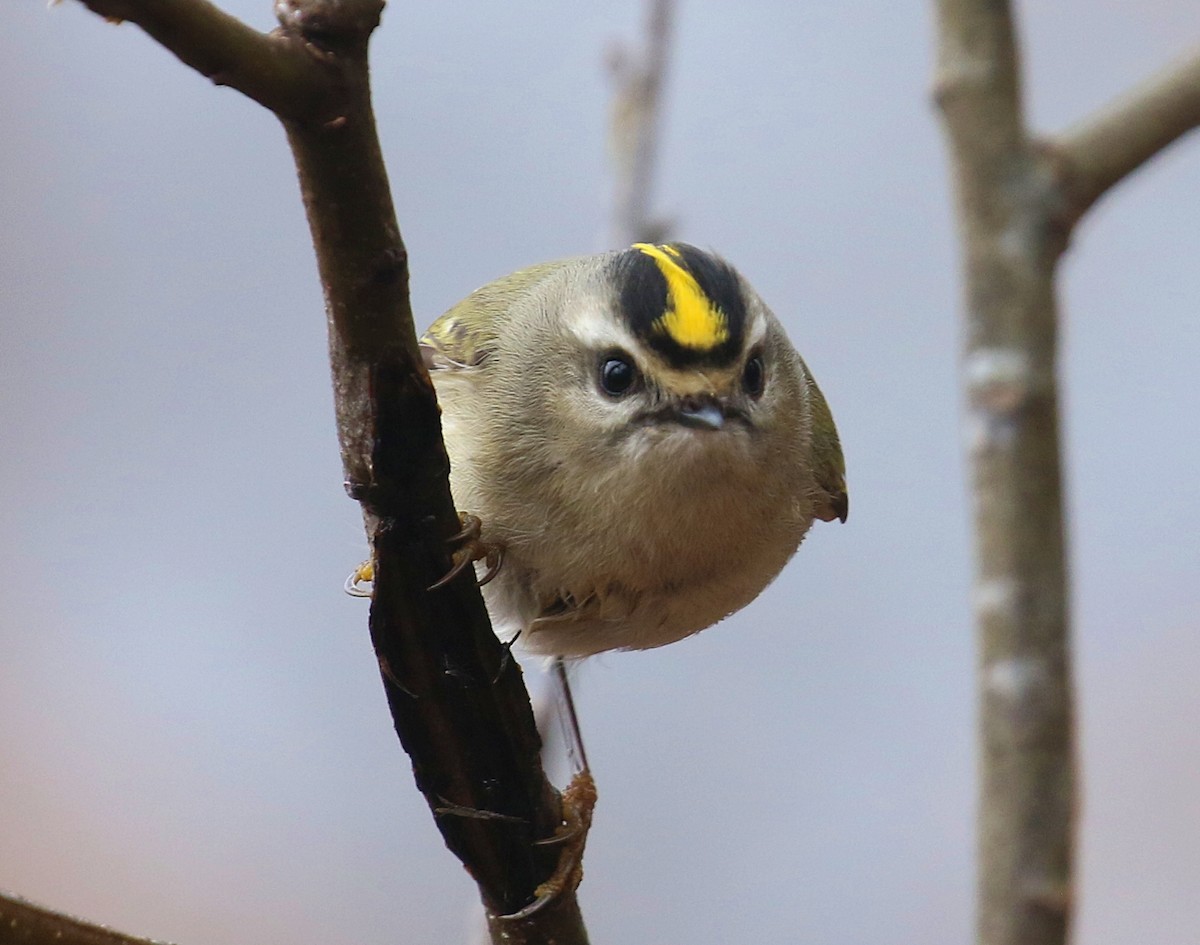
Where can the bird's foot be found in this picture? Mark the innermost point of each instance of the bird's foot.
(472, 548)
(578, 802)
(358, 584)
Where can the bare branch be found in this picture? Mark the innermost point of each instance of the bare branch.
(457, 699)
(977, 84)
(1007, 203)
(1018, 200)
(276, 72)
(23, 923)
(633, 132)
(1102, 150)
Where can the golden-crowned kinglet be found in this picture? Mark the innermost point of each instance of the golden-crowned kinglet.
(638, 435)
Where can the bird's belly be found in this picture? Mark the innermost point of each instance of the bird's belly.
(632, 550)
(645, 582)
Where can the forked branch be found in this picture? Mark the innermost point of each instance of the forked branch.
(1018, 199)
(457, 698)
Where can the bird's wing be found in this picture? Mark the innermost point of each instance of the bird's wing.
(829, 467)
(463, 338)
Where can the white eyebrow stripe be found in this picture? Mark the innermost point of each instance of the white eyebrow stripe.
(595, 330)
(754, 327)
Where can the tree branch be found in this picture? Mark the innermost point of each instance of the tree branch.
(1101, 151)
(1018, 200)
(1007, 212)
(272, 69)
(457, 699)
(23, 923)
(977, 85)
(633, 132)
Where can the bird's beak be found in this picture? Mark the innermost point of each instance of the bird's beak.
(702, 413)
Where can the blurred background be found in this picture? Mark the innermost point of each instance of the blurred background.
(194, 741)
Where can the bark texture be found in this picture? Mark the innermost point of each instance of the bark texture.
(1017, 200)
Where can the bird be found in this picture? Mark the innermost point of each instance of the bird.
(634, 441)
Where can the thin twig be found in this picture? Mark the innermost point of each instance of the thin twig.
(1101, 151)
(638, 74)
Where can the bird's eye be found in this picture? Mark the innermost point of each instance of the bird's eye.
(617, 374)
(754, 376)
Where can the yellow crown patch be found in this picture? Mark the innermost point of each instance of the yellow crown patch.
(691, 318)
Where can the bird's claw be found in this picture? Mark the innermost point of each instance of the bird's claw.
(364, 574)
(471, 530)
(578, 802)
(472, 548)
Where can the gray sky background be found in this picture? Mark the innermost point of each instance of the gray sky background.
(195, 744)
